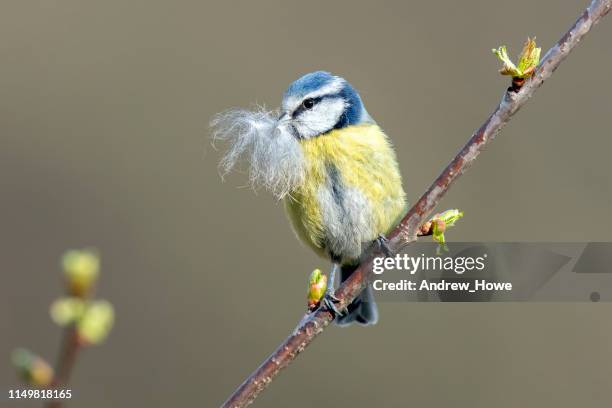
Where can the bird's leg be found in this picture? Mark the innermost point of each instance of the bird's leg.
(329, 300)
(383, 244)
(331, 281)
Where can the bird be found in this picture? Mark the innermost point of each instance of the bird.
(332, 166)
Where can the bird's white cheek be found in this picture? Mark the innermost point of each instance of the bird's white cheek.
(321, 118)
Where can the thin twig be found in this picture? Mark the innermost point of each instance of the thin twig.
(67, 358)
(313, 324)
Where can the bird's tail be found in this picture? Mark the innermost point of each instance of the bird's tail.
(363, 309)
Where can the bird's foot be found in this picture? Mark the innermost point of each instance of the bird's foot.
(329, 303)
(383, 244)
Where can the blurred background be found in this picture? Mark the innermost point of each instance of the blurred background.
(104, 113)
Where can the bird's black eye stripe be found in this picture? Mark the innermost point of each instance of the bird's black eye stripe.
(306, 104)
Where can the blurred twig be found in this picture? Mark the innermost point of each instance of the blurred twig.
(314, 323)
(67, 358)
(86, 322)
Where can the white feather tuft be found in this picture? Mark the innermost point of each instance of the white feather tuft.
(274, 155)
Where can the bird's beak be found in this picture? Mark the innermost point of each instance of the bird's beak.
(284, 117)
(284, 120)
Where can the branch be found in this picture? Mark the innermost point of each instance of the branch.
(67, 358)
(313, 324)
(86, 322)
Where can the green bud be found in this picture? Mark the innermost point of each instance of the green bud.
(528, 60)
(317, 285)
(449, 216)
(96, 322)
(67, 310)
(438, 227)
(81, 269)
(33, 369)
(439, 224)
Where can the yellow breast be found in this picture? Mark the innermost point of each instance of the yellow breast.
(352, 193)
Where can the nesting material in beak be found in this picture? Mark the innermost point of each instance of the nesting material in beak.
(273, 153)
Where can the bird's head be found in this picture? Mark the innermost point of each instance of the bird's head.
(271, 141)
(319, 102)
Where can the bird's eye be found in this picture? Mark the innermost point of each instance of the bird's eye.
(308, 103)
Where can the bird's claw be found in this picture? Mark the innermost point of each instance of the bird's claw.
(329, 303)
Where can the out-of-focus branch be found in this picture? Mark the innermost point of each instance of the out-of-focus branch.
(409, 228)
(67, 358)
(86, 322)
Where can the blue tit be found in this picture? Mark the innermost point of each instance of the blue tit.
(333, 167)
